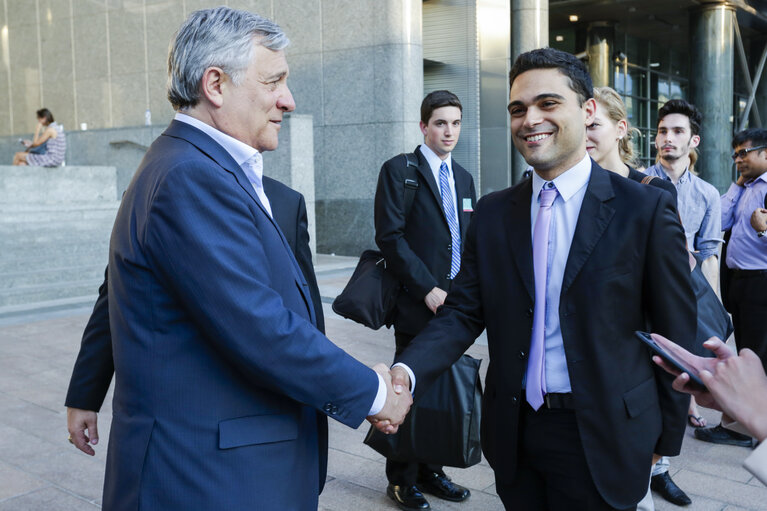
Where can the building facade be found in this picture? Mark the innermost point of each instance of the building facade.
(359, 69)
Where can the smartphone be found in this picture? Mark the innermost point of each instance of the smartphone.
(671, 359)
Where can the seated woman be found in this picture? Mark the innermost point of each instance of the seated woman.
(48, 132)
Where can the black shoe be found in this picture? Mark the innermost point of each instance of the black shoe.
(663, 485)
(721, 435)
(407, 497)
(441, 486)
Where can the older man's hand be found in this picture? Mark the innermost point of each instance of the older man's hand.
(398, 402)
(78, 422)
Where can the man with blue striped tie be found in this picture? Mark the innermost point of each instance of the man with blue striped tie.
(422, 243)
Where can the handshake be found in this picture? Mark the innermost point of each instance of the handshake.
(398, 399)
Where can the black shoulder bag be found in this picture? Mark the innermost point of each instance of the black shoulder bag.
(370, 296)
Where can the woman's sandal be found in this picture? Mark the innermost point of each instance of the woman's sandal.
(696, 421)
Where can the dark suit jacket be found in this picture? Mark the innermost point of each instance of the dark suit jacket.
(94, 368)
(627, 264)
(219, 369)
(418, 248)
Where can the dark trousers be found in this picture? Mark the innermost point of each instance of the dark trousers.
(552, 473)
(747, 293)
(406, 473)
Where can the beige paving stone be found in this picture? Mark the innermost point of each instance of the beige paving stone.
(71, 470)
(722, 489)
(698, 504)
(47, 499)
(17, 482)
(36, 358)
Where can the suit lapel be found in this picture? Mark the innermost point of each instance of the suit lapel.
(215, 152)
(594, 217)
(428, 176)
(520, 244)
(462, 190)
(218, 154)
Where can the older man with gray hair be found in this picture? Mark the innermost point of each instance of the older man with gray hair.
(222, 381)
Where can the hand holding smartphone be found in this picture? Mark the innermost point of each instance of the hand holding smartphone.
(676, 361)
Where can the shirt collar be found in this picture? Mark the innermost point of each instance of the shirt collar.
(752, 182)
(239, 151)
(435, 161)
(569, 182)
(686, 175)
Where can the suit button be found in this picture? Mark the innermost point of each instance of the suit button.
(328, 408)
(334, 410)
(450, 246)
(530, 312)
(514, 400)
(447, 276)
(522, 355)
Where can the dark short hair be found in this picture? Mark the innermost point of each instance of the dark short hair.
(680, 106)
(45, 114)
(567, 64)
(438, 99)
(757, 137)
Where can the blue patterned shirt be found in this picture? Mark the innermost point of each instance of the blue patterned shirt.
(700, 209)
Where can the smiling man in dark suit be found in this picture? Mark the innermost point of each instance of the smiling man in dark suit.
(220, 371)
(561, 269)
(422, 247)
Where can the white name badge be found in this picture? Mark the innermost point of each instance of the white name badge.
(467, 205)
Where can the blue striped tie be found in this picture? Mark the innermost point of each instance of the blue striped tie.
(452, 221)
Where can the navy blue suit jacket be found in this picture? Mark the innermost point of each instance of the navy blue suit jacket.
(93, 370)
(627, 265)
(219, 368)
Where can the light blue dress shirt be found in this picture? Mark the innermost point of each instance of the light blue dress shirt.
(746, 250)
(699, 208)
(565, 210)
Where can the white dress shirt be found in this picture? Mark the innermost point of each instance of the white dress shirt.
(434, 162)
(248, 158)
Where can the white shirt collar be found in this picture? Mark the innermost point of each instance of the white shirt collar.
(435, 161)
(239, 151)
(568, 182)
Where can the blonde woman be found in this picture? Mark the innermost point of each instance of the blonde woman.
(608, 141)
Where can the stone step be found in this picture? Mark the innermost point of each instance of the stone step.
(50, 246)
(85, 250)
(46, 292)
(96, 259)
(30, 214)
(49, 276)
(42, 262)
(59, 184)
(56, 232)
(34, 310)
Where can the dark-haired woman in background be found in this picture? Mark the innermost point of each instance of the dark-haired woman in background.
(47, 133)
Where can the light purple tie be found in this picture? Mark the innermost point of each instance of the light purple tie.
(535, 386)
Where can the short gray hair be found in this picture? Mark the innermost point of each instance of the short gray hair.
(220, 37)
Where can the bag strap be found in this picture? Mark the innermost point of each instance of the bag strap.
(411, 181)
